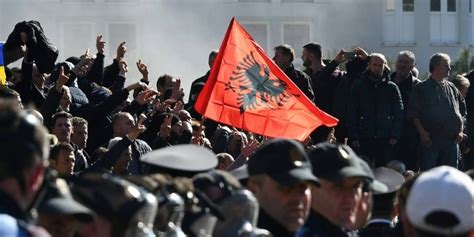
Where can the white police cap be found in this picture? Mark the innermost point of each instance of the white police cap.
(185, 157)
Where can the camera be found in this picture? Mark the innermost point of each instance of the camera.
(349, 55)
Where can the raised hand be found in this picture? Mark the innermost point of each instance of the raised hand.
(123, 66)
(178, 106)
(143, 69)
(145, 96)
(340, 57)
(136, 85)
(100, 44)
(138, 129)
(82, 67)
(165, 128)
(62, 80)
(249, 148)
(176, 92)
(121, 50)
(361, 53)
(331, 138)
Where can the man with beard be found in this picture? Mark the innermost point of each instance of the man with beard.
(375, 113)
(324, 80)
(406, 81)
(280, 177)
(284, 56)
(122, 124)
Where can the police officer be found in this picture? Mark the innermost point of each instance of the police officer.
(335, 203)
(184, 161)
(280, 177)
(384, 211)
(24, 149)
(238, 205)
(123, 209)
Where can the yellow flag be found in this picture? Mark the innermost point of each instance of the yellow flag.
(3, 77)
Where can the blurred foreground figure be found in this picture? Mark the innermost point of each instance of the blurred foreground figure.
(123, 209)
(238, 206)
(25, 148)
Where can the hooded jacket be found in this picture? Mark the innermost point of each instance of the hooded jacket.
(376, 108)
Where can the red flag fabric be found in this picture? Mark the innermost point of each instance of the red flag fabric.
(247, 90)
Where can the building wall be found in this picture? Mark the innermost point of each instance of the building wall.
(175, 36)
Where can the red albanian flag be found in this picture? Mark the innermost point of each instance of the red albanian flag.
(247, 90)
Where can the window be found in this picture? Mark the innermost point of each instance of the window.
(77, 38)
(471, 15)
(122, 1)
(255, 1)
(444, 22)
(296, 35)
(259, 33)
(408, 5)
(297, 1)
(77, 1)
(119, 32)
(390, 5)
(451, 5)
(399, 22)
(435, 5)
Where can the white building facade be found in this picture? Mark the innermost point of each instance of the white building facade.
(175, 36)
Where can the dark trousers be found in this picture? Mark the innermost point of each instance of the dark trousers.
(376, 151)
(406, 148)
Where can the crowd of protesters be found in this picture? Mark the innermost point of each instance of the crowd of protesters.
(84, 155)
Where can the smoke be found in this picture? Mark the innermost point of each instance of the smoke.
(176, 36)
(173, 37)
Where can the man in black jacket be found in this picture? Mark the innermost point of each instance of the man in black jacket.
(284, 57)
(203, 79)
(324, 80)
(405, 150)
(375, 113)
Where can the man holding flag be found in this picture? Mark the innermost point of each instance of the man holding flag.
(247, 90)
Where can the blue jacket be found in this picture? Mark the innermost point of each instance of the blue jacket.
(375, 109)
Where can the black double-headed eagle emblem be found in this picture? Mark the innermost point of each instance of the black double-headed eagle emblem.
(254, 86)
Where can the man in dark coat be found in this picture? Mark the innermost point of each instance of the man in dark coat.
(375, 113)
(284, 57)
(405, 149)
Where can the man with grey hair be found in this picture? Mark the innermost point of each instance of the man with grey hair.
(375, 113)
(406, 81)
(284, 57)
(437, 110)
